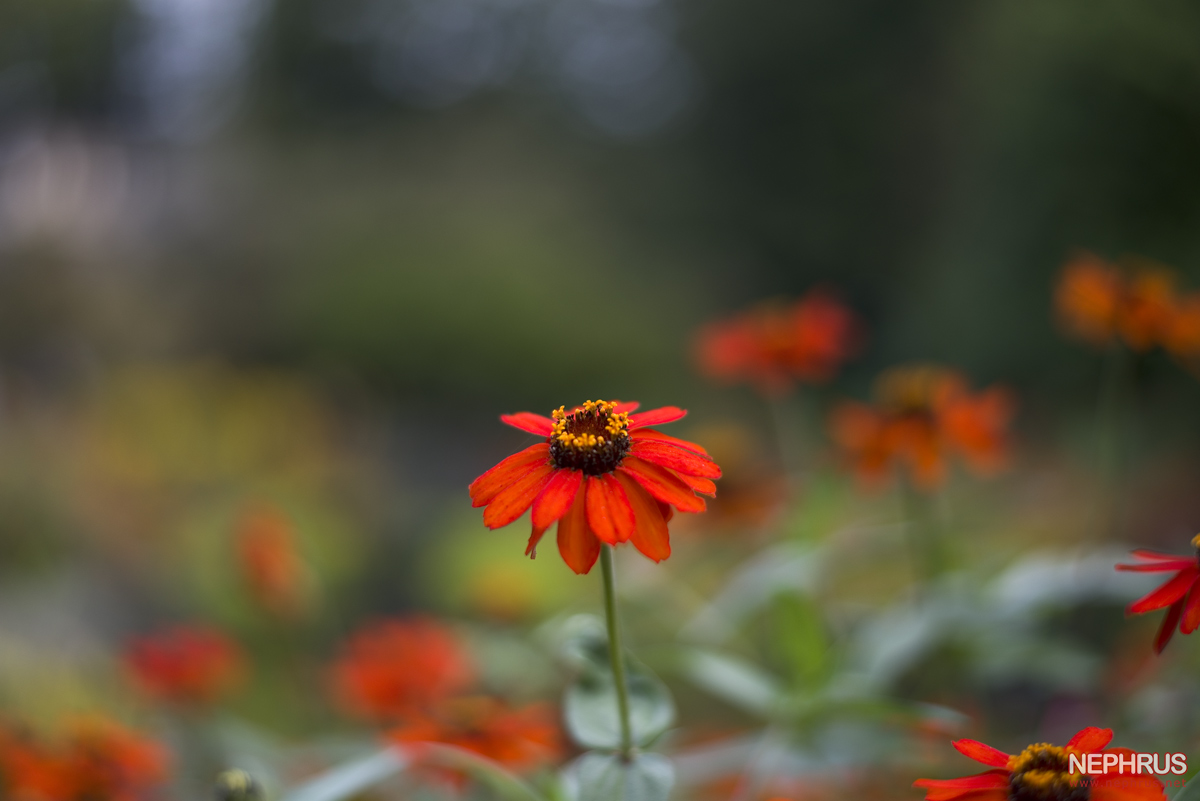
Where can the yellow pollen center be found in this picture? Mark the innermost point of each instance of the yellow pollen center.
(1196, 542)
(1041, 773)
(593, 437)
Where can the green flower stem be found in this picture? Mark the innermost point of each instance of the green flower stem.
(614, 649)
(924, 539)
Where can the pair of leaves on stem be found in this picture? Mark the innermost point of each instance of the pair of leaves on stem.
(591, 712)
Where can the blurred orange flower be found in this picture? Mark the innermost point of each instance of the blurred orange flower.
(773, 346)
(1179, 594)
(603, 475)
(274, 571)
(924, 415)
(1041, 773)
(392, 669)
(1098, 301)
(100, 761)
(190, 665)
(520, 739)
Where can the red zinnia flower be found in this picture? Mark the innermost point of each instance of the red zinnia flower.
(186, 664)
(924, 415)
(1042, 773)
(603, 475)
(772, 346)
(112, 763)
(520, 739)
(391, 669)
(1178, 594)
(276, 574)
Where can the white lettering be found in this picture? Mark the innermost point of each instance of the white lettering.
(1077, 763)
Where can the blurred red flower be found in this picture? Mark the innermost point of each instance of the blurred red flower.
(1178, 594)
(520, 739)
(923, 416)
(773, 346)
(392, 669)
(100, 761)
(1098, 301)
(274, 571)
(603, 475)
(190, 665)
(1042, 773)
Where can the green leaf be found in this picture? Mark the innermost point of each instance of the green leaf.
(591, 711)
(737, 681)
(1190, 791)
(347, 781)
(609, 777)
(800, 640)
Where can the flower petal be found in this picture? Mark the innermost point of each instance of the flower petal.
(702, 485)
(534, 538)
(578, 545)
(1158, 567)
(1090, 739)
(654, 417)
(556, 497)
(1126, 786)
(1167, 594)
(513, 501)
(651, 433)
(609, 515)
(493, 482)
(981, 752)
(626, 406)
(1167, 630)
(650, 535)
(980, 781)
(952, 794)
(1142, 553)
(1191, 613)
(528, 421)
(676, 459)
(662, 484)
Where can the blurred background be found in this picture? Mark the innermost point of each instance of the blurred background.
(297, 256)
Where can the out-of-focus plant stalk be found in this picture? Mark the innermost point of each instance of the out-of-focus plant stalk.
(788, 419)
(924, 537)
(614, 649)
(1110, 400)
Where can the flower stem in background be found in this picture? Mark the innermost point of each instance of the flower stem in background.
(1110, 415)
(924, 536)
(614, 649)
(788, 419)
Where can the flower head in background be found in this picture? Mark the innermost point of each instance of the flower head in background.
(923, 416)
(773, 346)
(1100, 302)
(1042, 773)
(390, 670)
(99, 760)
(1178, 595)
(188, 665)
(520, 739)
(603, 475)
(277, 576)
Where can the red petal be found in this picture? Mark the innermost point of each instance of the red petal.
(650, 535)
(576, 542)
(1159, 567)
(556, 498)
(654, 417)
(676, 459)
(1167, 594)
(493, 482)
(952, 794)
(1167, 630)
(663, 484)
(666, 510)
(981, 752)
(702, 485)
(625, 406)
(1191, 612)
(608, 513)
(987, 780)
(1125, 787)
(513, 501)
(1142, 553)
(528, 421)
(534, 538)
(1090, 739)
(650, 433)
